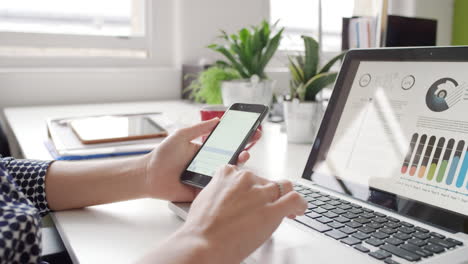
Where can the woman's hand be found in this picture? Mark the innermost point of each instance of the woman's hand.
(230, 218)
(165, 164)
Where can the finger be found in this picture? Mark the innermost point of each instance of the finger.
(272, 190)
(199, 129)
(244, 156)
(256, 136)
(291, 203)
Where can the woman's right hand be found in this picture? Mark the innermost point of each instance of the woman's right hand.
(230, 218)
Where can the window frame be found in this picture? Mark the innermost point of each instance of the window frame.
(158, 42)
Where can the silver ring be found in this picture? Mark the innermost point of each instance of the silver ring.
(280, 188)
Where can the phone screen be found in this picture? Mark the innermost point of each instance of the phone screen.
(223, 142)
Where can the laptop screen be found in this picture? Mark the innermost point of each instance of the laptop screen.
(398, 137)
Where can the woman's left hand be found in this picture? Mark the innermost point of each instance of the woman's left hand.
(165, 164)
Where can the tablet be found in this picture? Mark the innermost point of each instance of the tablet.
(106, 129)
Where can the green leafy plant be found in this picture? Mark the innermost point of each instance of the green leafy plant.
(307, 80)
(250, 50)
(207, 87)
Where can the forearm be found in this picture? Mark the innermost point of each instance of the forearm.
(85, 183)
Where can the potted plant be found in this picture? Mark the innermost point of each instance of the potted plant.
(248, 52)
(206, 88)
(303, 109)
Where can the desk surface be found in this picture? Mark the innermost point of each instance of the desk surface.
(123, 232)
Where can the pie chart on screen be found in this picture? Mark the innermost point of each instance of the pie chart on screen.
(438, 93)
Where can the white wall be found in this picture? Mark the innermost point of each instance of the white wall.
(441, 10)
(201, 20)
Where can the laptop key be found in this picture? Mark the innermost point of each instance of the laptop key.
(336, 234)
(360, 235)
(402, 236)
(349, 215)
(377, 255)
(313, 224)
(379, 214)
(374, 225)
(374, 242)
(309, 199)
(393, 219)
(400, 252)
(330, 215)
(317, 203)
(391, 261)
(338, 211)
(313, 215)
(405, 223)
(362, 220)
(334, 203)
(335, 225)
(434, 248)
(328, 207)
(380, 220)
(367, 210)
(392, 224)
(344, 206)
(417, 242)
(380, 235)
(415, 249)
(350, 241)
(437, 235)
(341, 219)
(356, 211)
(384, 253)
(406, 230)
(366, 229)
(369, 215)
(422, 236)
(311, 206)
(456, 242)
(347, 230)
(353, 224)
(323, 199)
(324, 220)
(319, 210)
(387, 230)
(422, 230)
(362, 248)
(394, 241)
(441, 242)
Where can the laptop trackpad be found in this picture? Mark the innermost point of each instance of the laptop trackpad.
(292, 244)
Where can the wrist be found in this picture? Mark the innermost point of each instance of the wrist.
(195, 246)
(142, 174)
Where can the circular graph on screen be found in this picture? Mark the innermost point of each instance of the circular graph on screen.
(438, 96)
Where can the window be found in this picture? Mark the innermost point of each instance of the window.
(310, 17)
(84, 28)
(84, 17)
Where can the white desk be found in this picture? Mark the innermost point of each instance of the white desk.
(123, 232)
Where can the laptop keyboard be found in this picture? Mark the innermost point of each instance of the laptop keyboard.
(373, 233)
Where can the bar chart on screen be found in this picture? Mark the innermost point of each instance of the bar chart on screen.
(437, 162)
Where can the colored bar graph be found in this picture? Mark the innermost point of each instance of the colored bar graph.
(463, 170)
(455, 161)
(445, 160)
(435, 159)
(407, 160)
(417, 156)
(427, 156)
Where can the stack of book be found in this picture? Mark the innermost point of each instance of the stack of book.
(63, 143)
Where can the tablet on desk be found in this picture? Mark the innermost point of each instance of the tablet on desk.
(106, 129)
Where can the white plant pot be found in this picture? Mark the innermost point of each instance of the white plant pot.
(302, 120)
(246, 91)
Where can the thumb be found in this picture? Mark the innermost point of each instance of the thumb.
(199, 129)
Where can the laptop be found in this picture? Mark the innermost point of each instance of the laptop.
(386, 179)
